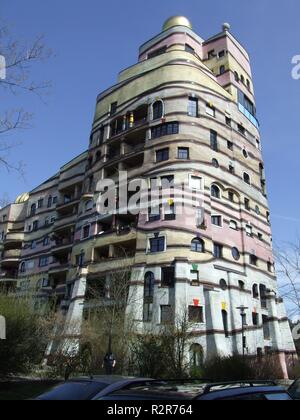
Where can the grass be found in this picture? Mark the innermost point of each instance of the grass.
(25, 390)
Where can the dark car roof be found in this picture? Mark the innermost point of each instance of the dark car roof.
(242, 391)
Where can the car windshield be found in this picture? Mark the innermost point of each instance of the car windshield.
(295, 390)
(73, 391)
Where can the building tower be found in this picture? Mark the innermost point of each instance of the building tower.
(184, 114)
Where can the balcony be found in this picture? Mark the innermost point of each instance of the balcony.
(65, 204)
(11, 257)
(130, 121)
(13, 237)
(57, 267)
(65, 221)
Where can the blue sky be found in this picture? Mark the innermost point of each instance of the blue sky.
(93, 40)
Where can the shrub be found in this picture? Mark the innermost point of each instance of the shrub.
(226, 369)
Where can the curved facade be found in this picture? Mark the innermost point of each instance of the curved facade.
(184, 113)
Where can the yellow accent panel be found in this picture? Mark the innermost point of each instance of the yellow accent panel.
(22, 198)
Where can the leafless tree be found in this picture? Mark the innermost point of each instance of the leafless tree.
(16, 78)
(288, 269)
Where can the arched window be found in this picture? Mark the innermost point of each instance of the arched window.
(225, 323)
(157, 110)
(198, 245)
(215, 191)
(215, 163)
(247, 178)
(255, 291)
(241, 285)
(223, 284)
(196, 356)
(23, 267)
(245, 153)
(32, 209)
(236, 76)
(263, 295)
(243, 78)
(149, 285)
(222, 69)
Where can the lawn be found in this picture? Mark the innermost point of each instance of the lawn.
(24, 390)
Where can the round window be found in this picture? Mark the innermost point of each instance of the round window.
(236, 254)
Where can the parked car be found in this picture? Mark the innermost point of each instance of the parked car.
(197, 391)
(84, 389)
(294, 390)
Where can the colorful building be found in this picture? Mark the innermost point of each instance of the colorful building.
(186, 114)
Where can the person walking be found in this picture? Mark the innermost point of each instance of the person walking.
(109, 363)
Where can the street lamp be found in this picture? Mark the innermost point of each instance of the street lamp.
(243, 309)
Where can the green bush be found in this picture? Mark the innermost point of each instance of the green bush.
(226, 369)
(27, 335)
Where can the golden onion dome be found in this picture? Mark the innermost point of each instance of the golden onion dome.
(177, 21)
(22, 198)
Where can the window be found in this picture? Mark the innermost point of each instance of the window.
(210, 110)
(195, 278)
(214, 140)
(166, 314)
(33, 210)
(193, 107)
(149, 286)
(225, 323)
(266, 327)
(257, 210)
(46, 241)
(242, 79)
(33, 244)
(89, 205)
(249, 230)
(35, 225)
(45, 282)
(49, 202)
(154, 214)
(253, 259)
(157, 244)
(246, 103)
(215, 192)
(245, 153)
(86, 231)
(198, 245)
(189, 49)
(215, 163)
(221, 54)
(162, 155)
(228, 121)
(211, 54)
(40, 203)
(44, 261)
(113, 108)
(230, 145)
(236, 253)
(233, 225)
(196, 314)
(247, 178)
(98, 156)
(236, 76)
(168, 277)
(157, 52)
(255, 319)
(216, 220)
(195, 183)
(183, 153)
(255, 291)
(222, 70)
(196, 356)
(231, 169)
(270, 267)
(23, 267)
(80, 259)
(158, 110)
(223, 284)
(164, 130)
(218, 251)
(247, 204)
(260, 236)
(231, 196)
(241, 285)
(241, 129)
(263, 296)
(170, 213)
